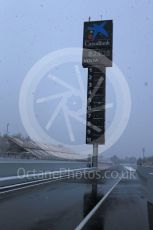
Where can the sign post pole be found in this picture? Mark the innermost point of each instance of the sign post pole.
(95, 155)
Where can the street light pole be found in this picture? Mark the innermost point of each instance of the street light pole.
(143, 153)
(7, 128)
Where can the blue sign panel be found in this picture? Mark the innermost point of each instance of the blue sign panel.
(97, 43)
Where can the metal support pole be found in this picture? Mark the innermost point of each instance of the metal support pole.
(95, 164)
(94, 188)
(95, 155)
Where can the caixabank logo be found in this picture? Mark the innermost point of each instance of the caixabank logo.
(97, 30)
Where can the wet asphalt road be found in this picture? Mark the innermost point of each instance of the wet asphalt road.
(62, 205)
(126, 208)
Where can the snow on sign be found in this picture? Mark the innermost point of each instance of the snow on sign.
(97, 43)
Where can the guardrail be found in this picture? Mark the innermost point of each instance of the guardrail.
(53, 176)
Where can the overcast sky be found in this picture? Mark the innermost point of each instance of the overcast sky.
(30, 29)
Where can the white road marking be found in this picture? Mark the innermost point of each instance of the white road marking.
(92, 212)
